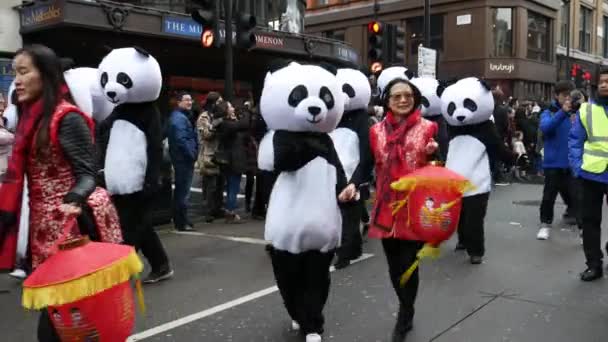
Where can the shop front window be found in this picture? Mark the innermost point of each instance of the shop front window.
(585, 29)
(415, 33)
(502, 29)
(539, 35)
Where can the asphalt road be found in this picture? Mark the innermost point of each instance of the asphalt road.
(223, 289)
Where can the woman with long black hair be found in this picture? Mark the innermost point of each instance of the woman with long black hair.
(54, 148)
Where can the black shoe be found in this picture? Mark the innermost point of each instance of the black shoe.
(592, 274)
(476, 259)
(186, 228)
(400, 332)
(155, 277)
(342, 263)
(460, 247)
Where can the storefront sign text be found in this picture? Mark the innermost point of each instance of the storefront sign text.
(40, 14)
(501, 67)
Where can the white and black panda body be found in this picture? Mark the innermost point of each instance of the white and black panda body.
(431, 90)
(467, 106)
(391, 73)
(131, 136)
(301, 104)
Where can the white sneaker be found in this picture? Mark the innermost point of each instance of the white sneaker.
(313, 338)
(295, 326)
(18, 273)
(543, 233)
(580, 235)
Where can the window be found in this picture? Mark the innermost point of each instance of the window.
(563, 25)
(539, 35)
(415, 33)
(605, 38)
(585, 29)
(337, 35)
(502, 27)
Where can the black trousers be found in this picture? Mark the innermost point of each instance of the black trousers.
(351, 247)
(592, 200)
(471, 224)
(263, 187)
(213, 187)
(557, 181)
(400, 255)
(132, 210)
(249, 184)
(303, 280)
(46, 331)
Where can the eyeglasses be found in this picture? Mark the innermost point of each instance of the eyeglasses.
(404, 96)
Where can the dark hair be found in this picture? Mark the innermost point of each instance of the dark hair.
(513, 101)
(603, 71)
(51, 73)
(563, 86)
(221, 110)
(180, 95)
(211, 101)
(391, 84)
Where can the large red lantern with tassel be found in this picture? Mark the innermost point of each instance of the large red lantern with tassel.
(86, 289)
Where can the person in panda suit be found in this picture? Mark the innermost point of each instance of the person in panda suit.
(351, 140)
(467, 106)
(301, 104)
(130, 146)
(391, 73)
(431, 90)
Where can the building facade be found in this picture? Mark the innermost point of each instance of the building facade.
(588, 37)
(10, 42)
(511, 43)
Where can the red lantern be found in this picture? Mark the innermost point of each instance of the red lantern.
(86, 289)
(433, 202)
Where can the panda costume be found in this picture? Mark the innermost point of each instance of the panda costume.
(431, 90)
(351, 140)
(474, 143)
(391, 73)
(301, 104)
(131, 148)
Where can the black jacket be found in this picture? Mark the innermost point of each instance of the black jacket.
(233, 136)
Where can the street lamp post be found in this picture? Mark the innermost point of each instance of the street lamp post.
(427, 23)
(567, 7)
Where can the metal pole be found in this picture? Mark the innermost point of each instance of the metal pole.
(376, 9)
(229, 71)
(427, 23)
(567, 3)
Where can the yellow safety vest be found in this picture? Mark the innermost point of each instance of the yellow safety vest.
(595, 121)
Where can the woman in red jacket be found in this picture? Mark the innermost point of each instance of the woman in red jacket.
(401, 143)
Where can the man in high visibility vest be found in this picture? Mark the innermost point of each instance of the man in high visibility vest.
(588, 154)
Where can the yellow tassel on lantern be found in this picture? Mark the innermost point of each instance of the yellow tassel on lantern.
(140, 295)
(428, 251)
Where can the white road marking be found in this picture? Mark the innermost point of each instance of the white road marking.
(226, 237)
(216, 309)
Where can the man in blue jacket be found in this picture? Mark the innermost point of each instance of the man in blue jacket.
(183, 148)
(588, 144)
(555, 123)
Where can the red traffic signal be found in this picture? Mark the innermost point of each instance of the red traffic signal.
(587, 76)
(374, 27)
(207, 38)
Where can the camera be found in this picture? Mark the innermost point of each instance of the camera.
(577, 98)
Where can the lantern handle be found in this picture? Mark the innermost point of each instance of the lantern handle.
(63, 243)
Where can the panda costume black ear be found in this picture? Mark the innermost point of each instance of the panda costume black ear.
(278, 64)
(441, 87)
(329, 67)
(409, 73)
(485, 84)
(142, 51)
(66, 63)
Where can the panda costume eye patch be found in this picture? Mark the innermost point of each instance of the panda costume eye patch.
(327, 97)
(451, 108)
(104, 79)
(124, 80)
(425, 102)
(470, 105)
(296, 96)
(348, 90)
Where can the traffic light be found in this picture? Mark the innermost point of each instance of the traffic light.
(245, 27)
(375, 53)
(399, 44)
(206, 13)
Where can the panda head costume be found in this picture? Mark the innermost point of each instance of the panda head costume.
(391, 73)
(302, 98)
(467, 102)
(130, 75)
(356, 88)
(431, 91)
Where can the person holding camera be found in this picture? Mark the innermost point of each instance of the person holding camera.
(555, 123)
(588, 143)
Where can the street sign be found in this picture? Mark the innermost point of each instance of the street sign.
(427, 62)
